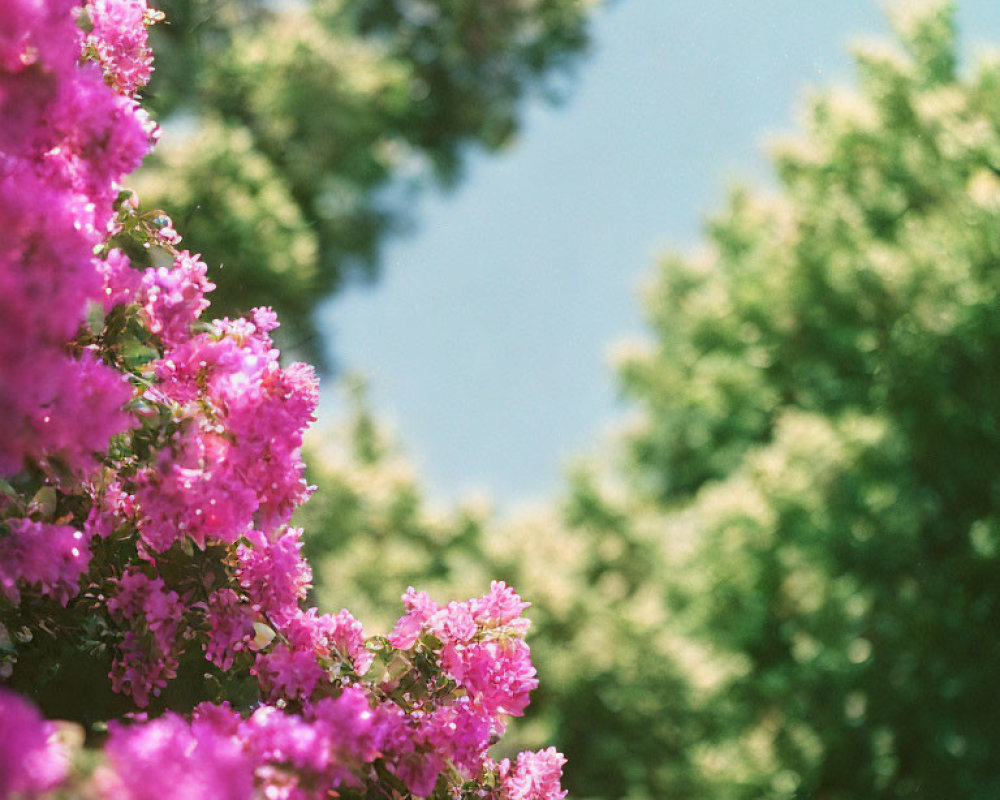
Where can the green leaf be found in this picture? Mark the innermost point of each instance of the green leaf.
(43, 503)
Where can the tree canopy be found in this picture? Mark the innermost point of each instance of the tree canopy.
(819, 407)
(784, 583)
(299, 133)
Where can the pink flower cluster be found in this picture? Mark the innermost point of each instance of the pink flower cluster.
(151, 614)
(294, 757)
(48, 558)
(534, 776)
(66, 139)
(412, 724)
(310, 642)
(234, 467)
(118, 36)
(151, 465)
(229, 475)
(481, 645)
(31, 761)
(172, 758)
(231, 627)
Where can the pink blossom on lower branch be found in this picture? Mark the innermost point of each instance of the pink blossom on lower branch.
(346, 637)
(292, 668)
(463, 732)
(357, 730)
(230, 628)
(273, 572)
(31, 760)
(146, 659)
(496, 673)
(140, 673)
(278, 755)
(170, 759)
(174, 297)
(192, 492)
(299, 757)
(482, 645)
(147, 601)
(502, 608)
(236, 462)
(535, 776)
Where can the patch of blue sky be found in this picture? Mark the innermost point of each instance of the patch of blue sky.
(486, 340)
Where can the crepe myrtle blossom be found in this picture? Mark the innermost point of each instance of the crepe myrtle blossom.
(150, 464)
(118, 38)
(47, 558)
(418, 724)
(31, 758)
(65, 142)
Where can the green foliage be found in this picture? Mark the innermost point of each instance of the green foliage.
(612, 696)
(786, 584)
(820, 406)
(300, 131)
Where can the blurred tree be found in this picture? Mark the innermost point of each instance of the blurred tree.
(819, 420)
(300, 130)
(612, 696)
(810, 487)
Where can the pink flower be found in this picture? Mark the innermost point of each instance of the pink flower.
(30, 759)
(148, 600)
(357, 730)
(346, 637)
(230, 628)
(194, 492)
(501, 608)
(215, 461)
(33, 32)
(49, 557)
(174, 298)
(462, 732)
(81, 414)
(170, 759)
(215, 720)
(119, 37)
(482, 646)
(419, 609)
(146, 658)
(498, 675)
(274, 574)
(536, 776)
(69, 139)
(275, 737)
(140, 673)
(312, 644)
(121, 281)
(408, 753)
(112, 507)
(292, 668)
(241, 451)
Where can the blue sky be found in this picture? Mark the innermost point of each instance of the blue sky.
(486, 340)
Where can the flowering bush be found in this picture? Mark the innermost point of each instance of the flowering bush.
(150, 587)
